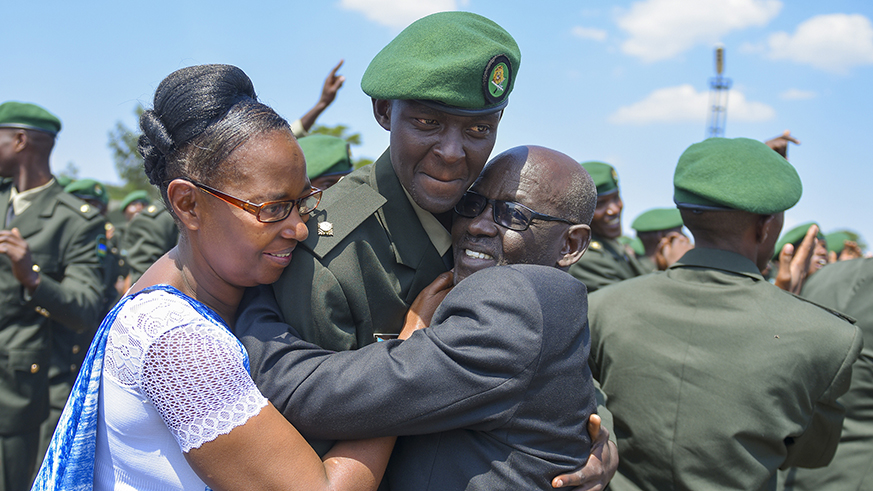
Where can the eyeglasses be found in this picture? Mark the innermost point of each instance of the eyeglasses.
(509, 214)
(271, 211)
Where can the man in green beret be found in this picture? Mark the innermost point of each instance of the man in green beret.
(607, 261)
(660, 233)
(51, 278)
(716, 378)
(795, 236)
(846, 286)
(328, 159)
(134, 203)
(381, 234)
(843, 246)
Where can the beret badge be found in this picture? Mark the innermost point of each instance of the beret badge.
(495, 80)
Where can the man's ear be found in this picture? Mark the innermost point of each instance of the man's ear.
(576, 242)
(183, 199)
(764, 227)
(382, 112)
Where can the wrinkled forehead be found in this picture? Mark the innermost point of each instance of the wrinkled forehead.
(513, 180)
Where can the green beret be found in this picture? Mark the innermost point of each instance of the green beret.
(658, 219)
(63, 180)
(604, 176)
(739, 173)
(325, 155)
(636, 244)
(456, 62)
(837, 240)
(794, 236)
(28, 117)
(88, 189)
(138, 195)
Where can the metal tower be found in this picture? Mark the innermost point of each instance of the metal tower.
(718, 96)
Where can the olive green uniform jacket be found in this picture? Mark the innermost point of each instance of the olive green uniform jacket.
(846, 286)
(606, 262)
(716, 378)
(148, 236)
(62, 233)
(358, 279)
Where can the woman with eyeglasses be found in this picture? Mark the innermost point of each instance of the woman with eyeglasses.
(164, 399)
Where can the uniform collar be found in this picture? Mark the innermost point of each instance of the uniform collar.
(719, 259)
(22, 200)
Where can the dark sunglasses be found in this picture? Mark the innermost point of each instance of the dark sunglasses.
(509, 214)
(271, 211)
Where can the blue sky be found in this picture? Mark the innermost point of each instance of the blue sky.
(625, 82)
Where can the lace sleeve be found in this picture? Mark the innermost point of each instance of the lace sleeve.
(195, 377)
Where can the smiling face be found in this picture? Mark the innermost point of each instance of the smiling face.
(436, 155)
(479, 243)
(241, 250)
(607, 216)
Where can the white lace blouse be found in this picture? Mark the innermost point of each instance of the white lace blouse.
(173, 379)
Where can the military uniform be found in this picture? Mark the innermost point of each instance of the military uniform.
(715, 378)
(606, 262)
(62, 233)
(148, 237)
(848, 287)
(367, 256)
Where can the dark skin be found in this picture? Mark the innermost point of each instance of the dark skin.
(24, 157)
(607, 216)
(750, 235)
(436, 155)
(779, 144)
(534, 177)
(331, 86)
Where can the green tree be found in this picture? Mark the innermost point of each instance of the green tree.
(128, 162)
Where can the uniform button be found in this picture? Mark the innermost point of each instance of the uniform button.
(35, 268)
(34, 368)
(76, 349)
(41, 311)
(84, 208)
(73, 367)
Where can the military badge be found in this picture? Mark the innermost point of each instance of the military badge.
(496, 79)
(325, 229)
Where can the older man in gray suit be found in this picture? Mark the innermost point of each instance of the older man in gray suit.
(496, 393)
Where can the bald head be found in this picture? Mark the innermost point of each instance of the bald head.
(492, 229)
(552, 181)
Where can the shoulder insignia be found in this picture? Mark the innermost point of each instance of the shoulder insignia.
(341, 216)
(80, 206)
(595, 245)
(151, 208)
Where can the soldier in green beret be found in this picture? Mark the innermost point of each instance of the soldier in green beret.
(381, 234)
(795, 236)
(716, 378)
(328, 159)
(134, 202)
(846, 286)
(843, 246)
(51, 279)
(607, 261)
(659, 230)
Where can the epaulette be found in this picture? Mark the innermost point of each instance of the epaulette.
(333, 223)
(837, 313)
(81, 207)
(154, 209)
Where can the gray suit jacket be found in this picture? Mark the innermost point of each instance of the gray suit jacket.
(494, 395)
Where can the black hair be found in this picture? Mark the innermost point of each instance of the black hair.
(201, 114)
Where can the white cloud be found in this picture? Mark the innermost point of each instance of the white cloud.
(797, 95)
(398, 13)
(589, 33)
(834, 42)
(684, 103)
(662, 29)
